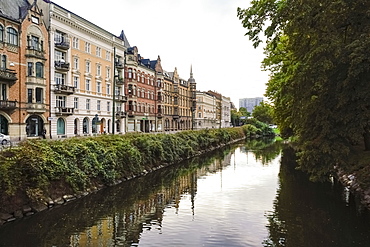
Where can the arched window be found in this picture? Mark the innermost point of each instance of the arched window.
(3, 125)
(39, 70)
(85, 125)
(1, 33)
(61, 126)
(12, 36)
(130, 73)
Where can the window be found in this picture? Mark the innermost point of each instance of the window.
(75, 103)
(199, 114)
(39, 70)
(87, 67)
(59, 37)
(75, 43)
(87, 47)
(60, 101)
(98, 70)
(29, 95)
(35, 19)
(107, 55)
(59, 56)
(108, 106)
(130, 73)
(87, 82)
(75, 63)
(108, 89)
(85, 125)
(76, 82)
(12, 36)
(29, 68)
(98, 87)
(34, 43)
(108, 72)
(3, 62)
(1, 33)
(59, 78)
(98, 105)
(87, 104)
(98, 51)
(39, 95)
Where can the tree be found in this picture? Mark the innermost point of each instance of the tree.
(317, 53)
(263, 112)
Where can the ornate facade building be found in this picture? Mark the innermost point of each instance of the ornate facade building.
(86, 77)
(24, 66)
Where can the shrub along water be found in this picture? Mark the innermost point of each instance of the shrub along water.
(37, 167)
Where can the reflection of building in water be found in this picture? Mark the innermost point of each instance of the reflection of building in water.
(129, 222)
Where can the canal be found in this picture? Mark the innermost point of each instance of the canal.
(247, 194)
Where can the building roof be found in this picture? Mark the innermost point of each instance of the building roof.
(123, 37)
(15, 9)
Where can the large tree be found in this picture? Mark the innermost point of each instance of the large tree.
(318, 56)
(264, 113)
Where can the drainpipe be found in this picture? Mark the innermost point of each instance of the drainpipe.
(114, 90)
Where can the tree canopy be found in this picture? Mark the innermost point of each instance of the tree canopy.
(264, 113)
(317, 53)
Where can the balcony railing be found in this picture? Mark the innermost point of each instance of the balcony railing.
(121, 114)
(62, 43)
(131, 96)
(8, 75)
(64, 111)
(121, 98)
(36, 52)
(119, 65)
(131, 113)
(64, 89)
(8, 105)
(61, 65)
(120, 81)
(175, 116)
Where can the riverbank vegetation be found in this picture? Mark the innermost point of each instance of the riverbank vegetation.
(40, 169)
(316, 53)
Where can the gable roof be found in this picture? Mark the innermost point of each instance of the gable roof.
(15, 10)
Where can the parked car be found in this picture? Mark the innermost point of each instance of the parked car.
(4, 139)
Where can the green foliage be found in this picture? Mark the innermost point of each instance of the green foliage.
(85, 162)
(263, 113)
(319, 81)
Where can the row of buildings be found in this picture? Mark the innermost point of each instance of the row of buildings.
(63, 76)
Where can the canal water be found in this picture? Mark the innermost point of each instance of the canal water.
(247, 194)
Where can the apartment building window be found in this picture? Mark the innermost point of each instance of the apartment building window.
(87, 104)
(75, 43)
(87, 47)
(108, 106)
(130, 73)
(98, 70)
(34, 43)
(98, 51)
(108, 72)
(29, 69)
(29, 95)
(3, 92)
(98, 105)
(39, 70)
(61, 101)
(12, 36)
(88, 67)
(98, 87)
(75, 103)
(59, 78)
(3, 62)
(76, 82)
(108, 89)
(59, 56)
(107, 55)
(1, 33)
(87, 82)
(75, 63)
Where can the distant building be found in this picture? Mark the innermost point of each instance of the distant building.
(250, 103)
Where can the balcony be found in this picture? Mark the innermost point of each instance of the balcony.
(61, 65)
(159, 115)
(120, 81)
(35, 52)
(64, 89)
(8, 75)
(64, 111)
(131, 113)
(175, 116)
(131, 96)
(8, 105)
(62, 43)
(36, 107)
(121, 98)
(121, 114)
(119, 65)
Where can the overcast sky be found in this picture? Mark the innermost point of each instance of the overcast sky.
(205, 34)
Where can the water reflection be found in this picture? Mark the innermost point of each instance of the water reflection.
(313, 214)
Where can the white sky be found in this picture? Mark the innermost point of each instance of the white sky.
(206, 34)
